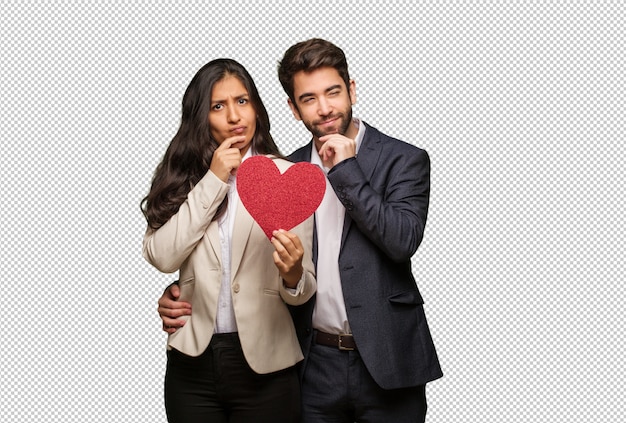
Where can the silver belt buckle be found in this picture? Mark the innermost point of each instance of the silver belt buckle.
(340, 345)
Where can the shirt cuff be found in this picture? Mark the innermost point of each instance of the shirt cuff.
(298, 289)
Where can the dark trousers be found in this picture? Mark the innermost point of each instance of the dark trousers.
(219, 386)
(337, 388)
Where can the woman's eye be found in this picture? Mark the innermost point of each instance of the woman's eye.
(218, 107)
(243, 101)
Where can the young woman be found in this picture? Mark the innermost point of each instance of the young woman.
(233, 360)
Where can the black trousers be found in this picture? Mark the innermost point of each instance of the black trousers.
(219, 386)
(337, 388)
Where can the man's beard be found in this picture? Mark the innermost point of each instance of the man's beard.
(343, 125)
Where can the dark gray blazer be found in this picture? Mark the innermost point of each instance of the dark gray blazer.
(385, 191)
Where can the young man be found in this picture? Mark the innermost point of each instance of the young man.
(368, 350)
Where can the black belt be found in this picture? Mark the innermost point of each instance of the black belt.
(343, 342)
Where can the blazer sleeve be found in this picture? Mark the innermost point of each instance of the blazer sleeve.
(167, 247)
(307, 284)
(391, 208)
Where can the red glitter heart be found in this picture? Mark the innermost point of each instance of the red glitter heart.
(279, 201)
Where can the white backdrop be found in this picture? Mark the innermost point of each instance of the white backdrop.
(520, 104)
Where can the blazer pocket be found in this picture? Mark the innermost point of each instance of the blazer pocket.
(186, 281)
(187, 288)
(406, 297)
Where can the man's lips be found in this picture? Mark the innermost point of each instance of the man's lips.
(328, 122)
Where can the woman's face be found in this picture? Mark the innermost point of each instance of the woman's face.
(232, 113)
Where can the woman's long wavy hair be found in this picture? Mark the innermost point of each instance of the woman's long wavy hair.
(188, 157)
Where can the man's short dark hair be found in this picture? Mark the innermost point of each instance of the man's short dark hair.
(308, 56)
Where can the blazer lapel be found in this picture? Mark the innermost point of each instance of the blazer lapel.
(369, 151)
(213, 235)
(302, 154)
(367, 158)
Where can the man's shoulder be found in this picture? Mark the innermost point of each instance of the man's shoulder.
(391, 142)
(302, 154)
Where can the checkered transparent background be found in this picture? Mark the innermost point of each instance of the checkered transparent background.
(521, 106)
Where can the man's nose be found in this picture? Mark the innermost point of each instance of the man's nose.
(324, 107)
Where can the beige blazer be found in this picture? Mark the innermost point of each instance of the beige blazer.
(190, 242)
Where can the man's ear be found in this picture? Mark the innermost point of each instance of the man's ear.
(352, 90)
(294, 109)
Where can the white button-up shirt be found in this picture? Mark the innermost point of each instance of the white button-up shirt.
(330, 314)
(225, 321)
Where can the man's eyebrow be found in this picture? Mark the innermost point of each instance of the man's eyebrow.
(332, 87)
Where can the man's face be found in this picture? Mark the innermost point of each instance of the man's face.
(324, 103)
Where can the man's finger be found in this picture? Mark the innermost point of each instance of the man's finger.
(166, 303)
(171, 322)
(169, 312)
(174, 291)
(173, 327)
